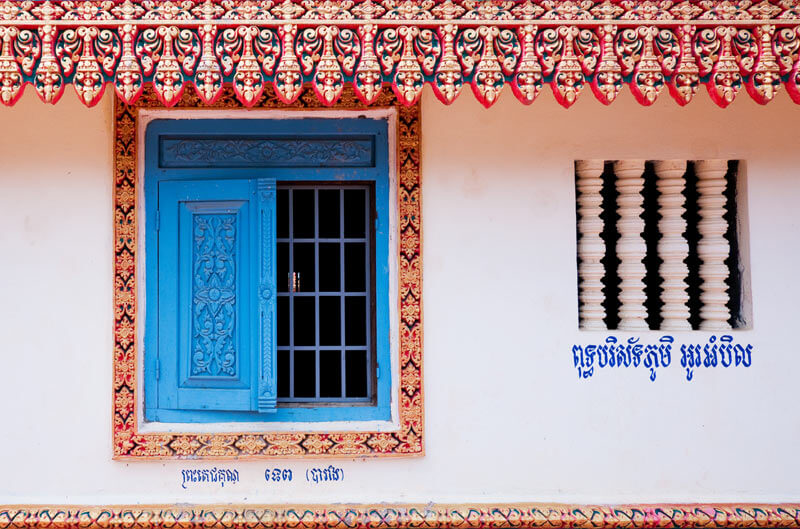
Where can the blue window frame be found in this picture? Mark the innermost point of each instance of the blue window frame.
(213, 192)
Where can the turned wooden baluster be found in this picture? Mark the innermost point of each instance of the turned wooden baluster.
(673, 248)
(591, 247)
(713, 248)
(631, 248)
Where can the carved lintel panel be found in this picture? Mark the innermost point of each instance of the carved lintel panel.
(266, 152)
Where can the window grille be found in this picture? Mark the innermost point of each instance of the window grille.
(658, 245)
(324, 293)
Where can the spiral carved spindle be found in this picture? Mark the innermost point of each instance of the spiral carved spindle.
(631, 247)
(591, 247)
(713, 247)
(673, 248)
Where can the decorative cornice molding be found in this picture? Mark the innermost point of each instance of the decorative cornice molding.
(396, 516)
(325, 44)
(424, 12)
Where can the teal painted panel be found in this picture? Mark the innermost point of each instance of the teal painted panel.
(266, 151)
(205, 285)
(267, 303)
(214, 273)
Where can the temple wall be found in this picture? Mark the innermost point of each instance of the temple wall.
(507, 418)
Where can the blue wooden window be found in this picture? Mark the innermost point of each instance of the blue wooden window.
(267, 270)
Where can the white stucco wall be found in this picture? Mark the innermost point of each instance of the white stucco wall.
(507, 418)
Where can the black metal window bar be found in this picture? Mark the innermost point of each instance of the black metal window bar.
(325, 293)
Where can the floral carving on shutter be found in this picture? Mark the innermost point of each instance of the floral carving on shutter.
(214, 296)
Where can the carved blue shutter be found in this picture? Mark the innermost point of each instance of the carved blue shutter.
(267, 361)
(211, 345)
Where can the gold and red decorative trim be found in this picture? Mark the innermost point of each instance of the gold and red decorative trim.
(387, 516)
(486, 44)
(128, 442)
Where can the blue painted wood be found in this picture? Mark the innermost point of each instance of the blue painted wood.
(205, 283)
(213, 290)
(161, 327)
(343, 129)
(267, 305)
(266, 151)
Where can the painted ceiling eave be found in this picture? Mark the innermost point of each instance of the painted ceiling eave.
(572, 46)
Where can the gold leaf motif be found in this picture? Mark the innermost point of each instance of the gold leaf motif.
(412, 444)
(764, 10)
(368, 10)
(288, 10)
(408, 177)
(349, 443)
(383, 442)
(410, 312)
(217, 445)
(448, 10)
(528, 10)
(317, 444)
(125, 195)
(408, 246)
(285, 444)
(686, 10)
(184, 445)
(124, 401)
(47, 11)
(411, 277)
(250, 444)
(208, 10)
(16, 10)
(328, 9)
(122, 442)
(607, 10)
(153, 445)
(410, 381)
(128, 10)
(408, 9)
(88, 10)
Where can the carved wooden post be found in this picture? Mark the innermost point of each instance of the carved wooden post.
(712, 248)
(631, 248)
(591, 247)
(673, 248)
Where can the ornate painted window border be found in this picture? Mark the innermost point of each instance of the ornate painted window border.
(129, 442)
